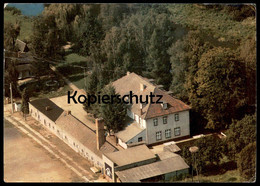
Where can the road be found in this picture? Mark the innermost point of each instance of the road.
(33, 154)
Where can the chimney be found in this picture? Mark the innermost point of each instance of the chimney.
(142, 86)
(100, 134)
(127, 73)
(68, 112)
(47, 108)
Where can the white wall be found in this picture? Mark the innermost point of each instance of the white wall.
(183, 123)
(67, 138)
(122, 144)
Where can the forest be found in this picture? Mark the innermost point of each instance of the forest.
(204, 54)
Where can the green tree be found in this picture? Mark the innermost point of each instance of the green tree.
(25, 101)
(47, 40)
(184, 57)
(247, 161)
(221, 88)
(11, 32)
(210, 152)
(64, 14)
(11, 76)
(114, 114)
(88, 30)
(247, 51)
(158, 60)
(240, 133)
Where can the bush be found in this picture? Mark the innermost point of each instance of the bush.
(247, 161)
(13, 10)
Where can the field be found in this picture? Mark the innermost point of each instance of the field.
(26, 24)
(218, 24)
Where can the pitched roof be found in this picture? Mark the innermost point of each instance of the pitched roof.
(53, 111)
(24, 67)
(164, 166)
(171, 148)
(149, 110)
(21, 45)
(165, 155)
(82, 133)
(130, 155)
(130, 131)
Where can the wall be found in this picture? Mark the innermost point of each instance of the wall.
(44, 120)
(107, 161)
(122, 144)
(67, 138)
(183, 123)
(80, 148)
(174, 175)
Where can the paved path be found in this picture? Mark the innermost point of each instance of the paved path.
(59, 150)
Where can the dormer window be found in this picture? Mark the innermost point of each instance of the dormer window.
(164, 105)
(142, 86)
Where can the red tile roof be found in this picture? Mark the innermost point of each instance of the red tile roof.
(132, 81)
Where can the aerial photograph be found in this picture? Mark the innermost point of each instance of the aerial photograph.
(129, 93)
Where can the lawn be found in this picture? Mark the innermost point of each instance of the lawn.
(70, 70)
(228, 176)
(26, 24)
(216, 23)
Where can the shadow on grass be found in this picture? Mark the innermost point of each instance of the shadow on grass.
(73, 68)
(76, 77)
(213, 169)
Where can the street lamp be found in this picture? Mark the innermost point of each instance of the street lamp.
(193, 150)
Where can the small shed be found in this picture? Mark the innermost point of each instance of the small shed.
(22, 46)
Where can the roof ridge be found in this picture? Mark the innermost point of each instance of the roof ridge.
(143, 78)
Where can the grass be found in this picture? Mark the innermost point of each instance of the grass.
(216, 23)
(26, 24)
(229, 176)
(73, 73)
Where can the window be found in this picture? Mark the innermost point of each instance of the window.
(176, 117)
(159, 135)
(31, 111)
(168, 133)
(177, 131)
(165, 120)
(44, 122)
(140, 139)
(49, 125)
(155, 122)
